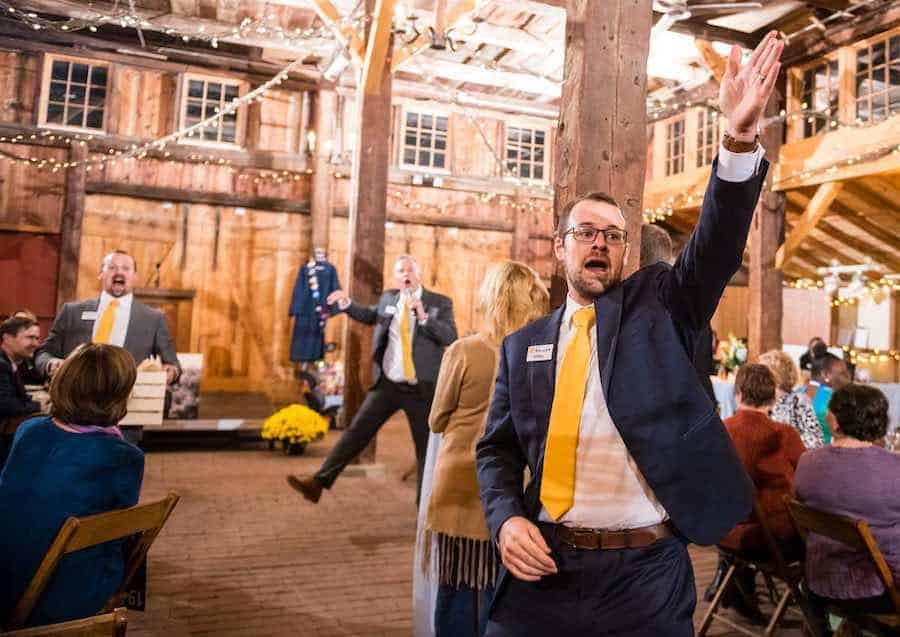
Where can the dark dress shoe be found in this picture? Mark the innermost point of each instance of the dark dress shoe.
(307, 485)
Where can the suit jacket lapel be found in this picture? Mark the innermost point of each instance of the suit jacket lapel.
(608, 309)
(542, 376)
(134, 318)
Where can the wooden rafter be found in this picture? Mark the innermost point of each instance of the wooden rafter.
(815, 211)
(713, 61)
(861, 199)
(330, 15)
(377, 49)
(856, 243)
(449, 18)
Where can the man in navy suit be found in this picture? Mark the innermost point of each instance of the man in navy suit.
(600, 401)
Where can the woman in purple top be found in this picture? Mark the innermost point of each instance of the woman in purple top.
(856, 478)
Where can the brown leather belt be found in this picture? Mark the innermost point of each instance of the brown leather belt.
(594, 539)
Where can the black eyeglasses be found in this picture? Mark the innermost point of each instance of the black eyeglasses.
(588, 234)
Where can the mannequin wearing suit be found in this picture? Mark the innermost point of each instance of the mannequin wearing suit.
(115, 318)
(601, 402)
(413, 326)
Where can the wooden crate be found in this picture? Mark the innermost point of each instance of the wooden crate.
(147, 402)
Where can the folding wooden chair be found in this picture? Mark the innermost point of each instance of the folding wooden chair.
(774, 568)
(854, 534)
(111, 624)
(144, 521)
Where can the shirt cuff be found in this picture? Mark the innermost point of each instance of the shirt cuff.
(737, 167)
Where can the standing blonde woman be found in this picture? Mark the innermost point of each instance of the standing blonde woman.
(511, 296)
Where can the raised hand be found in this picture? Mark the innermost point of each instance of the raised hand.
(745, 90)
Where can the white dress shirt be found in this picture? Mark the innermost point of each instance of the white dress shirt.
(393, 355)
(123, 316)
(610, 491)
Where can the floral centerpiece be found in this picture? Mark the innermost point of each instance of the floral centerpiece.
(732, 353)
(295, 426)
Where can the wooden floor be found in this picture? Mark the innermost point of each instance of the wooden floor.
(244, 555)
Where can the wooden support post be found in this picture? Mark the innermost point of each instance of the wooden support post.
(321, 199)
(766, 234)
(602, 140)
(521, 239)
(368, 213)
(70, 228)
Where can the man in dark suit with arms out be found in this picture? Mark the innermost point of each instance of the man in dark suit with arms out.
(601, 402)
(413, 326)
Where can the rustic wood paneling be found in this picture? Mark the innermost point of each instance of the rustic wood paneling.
(242, 267)
(31, 196)
(19, 77)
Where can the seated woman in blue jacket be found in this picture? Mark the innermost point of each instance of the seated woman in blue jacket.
(72, 463)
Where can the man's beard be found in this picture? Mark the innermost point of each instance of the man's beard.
(594, 288)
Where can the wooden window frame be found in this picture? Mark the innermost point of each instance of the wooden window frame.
(545, 163)
(46, 78)
(857, 48)
(673, 161)
(402, 146)
(832, 89)
(240, 133)
(706, 152)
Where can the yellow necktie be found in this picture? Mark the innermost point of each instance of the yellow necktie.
(105, 326)
(409, 368)
(558, 480)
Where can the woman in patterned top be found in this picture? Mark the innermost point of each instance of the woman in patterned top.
(791, 407)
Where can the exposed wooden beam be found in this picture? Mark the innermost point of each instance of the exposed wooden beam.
(814, 43)
(184, 195)
(378, 47)
(322, 186)
(867, 226)
(452, 15)
(699, 28)
(861, 246)
(330, 15)
(459, 72)
(831, 5)
(815, 211)
(713, 61)
(766, 233)
(70, 225)
(865, 201)
(602, 139)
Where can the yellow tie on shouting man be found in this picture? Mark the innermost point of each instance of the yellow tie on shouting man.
(409, 368)
(558, 478)
(107, 320)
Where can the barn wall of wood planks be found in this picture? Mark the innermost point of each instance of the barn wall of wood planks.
(242, 261)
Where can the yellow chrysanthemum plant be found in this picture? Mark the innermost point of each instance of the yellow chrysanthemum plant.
(295, 426)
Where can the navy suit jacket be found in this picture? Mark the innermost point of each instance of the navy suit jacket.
(647, 328)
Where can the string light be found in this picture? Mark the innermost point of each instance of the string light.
(248, 29)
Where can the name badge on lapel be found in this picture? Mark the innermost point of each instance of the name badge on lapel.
(88, 316)
(390, 310)
(537, 353)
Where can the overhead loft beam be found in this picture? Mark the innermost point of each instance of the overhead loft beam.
(815, 211)
(702, 29)
(522, 82)
(866, 202)
(330, 15)
(449, 18)
(377, 49)
(712, 60)
(831, 5)
(814, 43)
(863, 247)
(159, 23)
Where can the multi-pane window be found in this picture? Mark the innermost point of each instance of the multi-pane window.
(203, 98)
(76, 94)
(707, 136)
(525, 152)
(675, 146)
(878, 80)
(819, 94)
(424, 140)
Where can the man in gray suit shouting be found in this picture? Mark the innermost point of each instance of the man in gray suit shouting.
(412, 327)
(115, 318)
